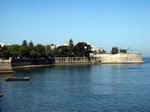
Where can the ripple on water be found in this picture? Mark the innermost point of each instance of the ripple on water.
(79, 88)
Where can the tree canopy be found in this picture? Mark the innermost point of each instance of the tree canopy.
(82, 49)
(115, 50)
(24, 43)
(29, 50)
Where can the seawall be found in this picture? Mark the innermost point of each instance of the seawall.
(30, 61)
(71, 60)
(128, 58)
(5, 66)
(121, 58)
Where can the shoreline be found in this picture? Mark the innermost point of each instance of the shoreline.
(31, 66)
(6, 72)
(119, 59)
(59, 64)
(47, 65)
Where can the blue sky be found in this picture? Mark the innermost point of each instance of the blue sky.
(103, 23)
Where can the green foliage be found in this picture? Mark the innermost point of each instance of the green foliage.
(29, 50)
(82, 49)
(48, 50)
(123, 50)
(40, 50)
(66, 51)
(15, 50)
(55, 52)
(115, 50)
(71, 43)
(34, 54)
(24, 51)
(24, 43)
(31, 45)
(62, 51)
(5, 52)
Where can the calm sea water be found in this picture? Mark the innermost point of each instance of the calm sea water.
(79, 88)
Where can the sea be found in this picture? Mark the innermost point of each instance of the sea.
(79, 88)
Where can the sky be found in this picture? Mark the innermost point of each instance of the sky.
(102, 23)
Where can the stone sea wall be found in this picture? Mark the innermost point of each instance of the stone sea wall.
(120, 58)
(129, 58)
(102, 59)
(30, 61)
(5, 66)
(67, 60)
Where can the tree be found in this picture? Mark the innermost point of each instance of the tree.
(24, 43)
(102, 52)
(48, 50)
(82, 49)
(24, 51)
(123, 50)
(5, 52)
(62, 51)
(31, 44)
(115, 50)
(71, 43)
(55, 52)
(15, 50)
(34, 54)
(40, 50)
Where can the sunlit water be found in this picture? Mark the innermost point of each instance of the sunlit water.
(79, 88)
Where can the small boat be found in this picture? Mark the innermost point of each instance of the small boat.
(17, 79)
(1, 94)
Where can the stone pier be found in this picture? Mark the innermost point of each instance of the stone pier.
(5, 66)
